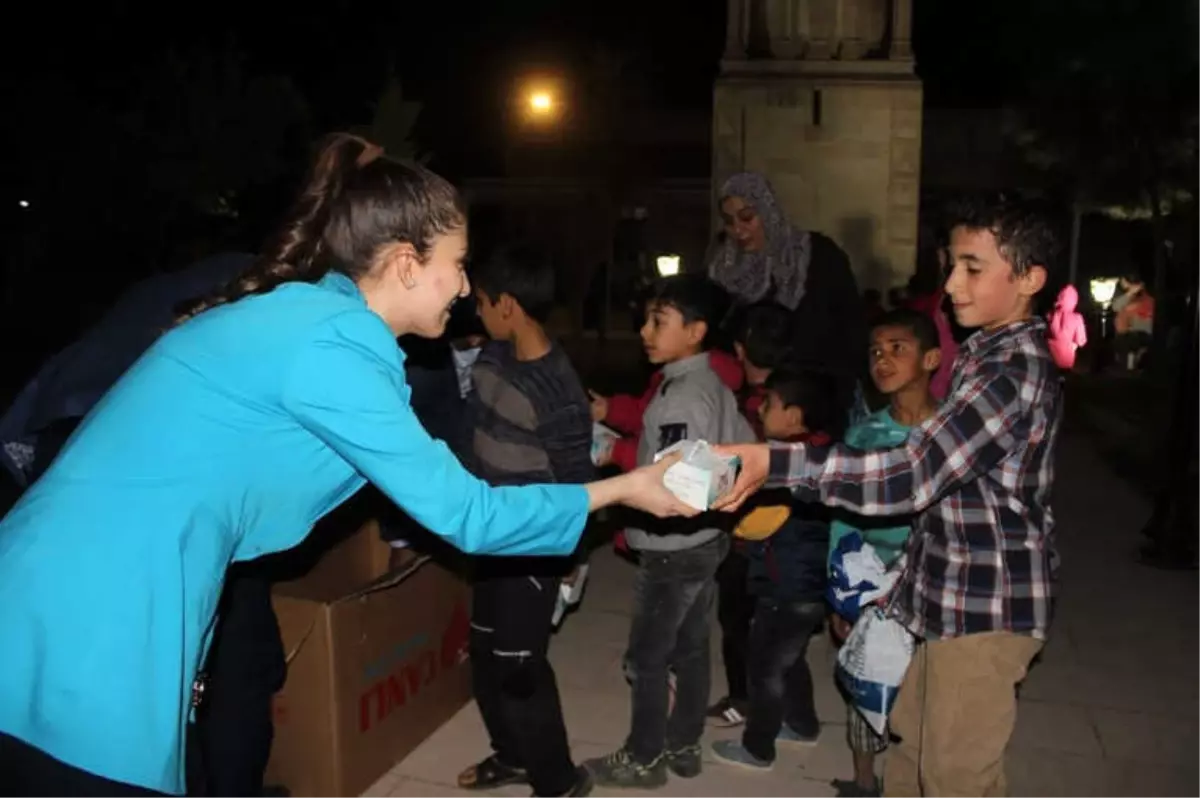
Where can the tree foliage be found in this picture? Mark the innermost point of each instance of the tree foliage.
(393, 126)
(1110, 115)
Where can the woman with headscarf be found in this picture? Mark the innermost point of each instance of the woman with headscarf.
(766, 257)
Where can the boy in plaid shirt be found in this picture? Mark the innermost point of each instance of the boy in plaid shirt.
(978, 581)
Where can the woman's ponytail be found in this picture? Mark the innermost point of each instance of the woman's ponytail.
(294, 253)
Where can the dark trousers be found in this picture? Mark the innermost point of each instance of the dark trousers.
(245, 669)
(25, 770)
(781, 686)
(673, 597)
(514, 683)
(735, 611)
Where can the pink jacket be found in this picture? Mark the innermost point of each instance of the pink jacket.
(1067, 330)
(931, 305)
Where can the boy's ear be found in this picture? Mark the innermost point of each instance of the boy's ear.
(696, 332)
(932, 360)
(1033, 281)
(739, 349)
(795, 417)
(507, 304)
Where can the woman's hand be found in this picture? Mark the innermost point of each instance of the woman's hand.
(599, 405)
(641, 489)
(756, 464)
(647, 492)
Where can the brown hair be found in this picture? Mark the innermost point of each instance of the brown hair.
(352, 203)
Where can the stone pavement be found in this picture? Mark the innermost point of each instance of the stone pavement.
(1111, 709)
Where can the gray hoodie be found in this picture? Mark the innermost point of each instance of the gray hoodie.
(691, 404)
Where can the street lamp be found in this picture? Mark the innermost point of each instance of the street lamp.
(667, 265)
(540, 102)
(1103, 289)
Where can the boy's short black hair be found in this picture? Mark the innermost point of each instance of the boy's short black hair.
(919, 324)
(464, 319)
(764, 329)
(520, 270)
(1023, 234)
(814, 392)
(696, 297)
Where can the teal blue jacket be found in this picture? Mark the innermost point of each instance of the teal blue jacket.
(228, 439)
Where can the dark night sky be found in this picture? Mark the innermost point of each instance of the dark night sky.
(451, 55)
(459, 58)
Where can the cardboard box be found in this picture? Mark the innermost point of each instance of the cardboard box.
(376, 663)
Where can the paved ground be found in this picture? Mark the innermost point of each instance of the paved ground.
(1110, 710)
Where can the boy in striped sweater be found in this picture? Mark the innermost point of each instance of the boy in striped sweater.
(530, 424)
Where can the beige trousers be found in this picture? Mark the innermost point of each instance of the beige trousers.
(954, 715)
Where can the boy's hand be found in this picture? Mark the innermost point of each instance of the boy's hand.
(599, 406)
(756, 463)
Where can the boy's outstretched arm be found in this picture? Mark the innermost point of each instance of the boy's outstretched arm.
(972, 431)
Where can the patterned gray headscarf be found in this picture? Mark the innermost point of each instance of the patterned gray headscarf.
(779, 270)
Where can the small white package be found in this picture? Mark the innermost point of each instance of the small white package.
(603, 440)
(702, 476)
(569, 595)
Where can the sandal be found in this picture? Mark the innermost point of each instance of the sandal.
(489, 774)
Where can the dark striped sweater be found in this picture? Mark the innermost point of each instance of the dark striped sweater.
(531, 419)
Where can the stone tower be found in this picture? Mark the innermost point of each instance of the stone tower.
(821, 96)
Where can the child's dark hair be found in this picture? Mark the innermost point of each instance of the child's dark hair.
(919, 324)
(520, 270)
(764, 330)
(815, 393)
(353, 202)
(1023, 234)
(464, 319)
(696, 297)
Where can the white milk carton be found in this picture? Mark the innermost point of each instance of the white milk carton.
(603, 440)
(702, 476)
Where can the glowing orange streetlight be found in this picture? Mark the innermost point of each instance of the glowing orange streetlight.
(541, 103)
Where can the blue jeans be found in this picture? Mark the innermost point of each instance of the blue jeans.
(673, 599)
(781, 687)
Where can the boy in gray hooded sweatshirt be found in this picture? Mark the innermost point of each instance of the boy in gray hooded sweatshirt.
(677, 560)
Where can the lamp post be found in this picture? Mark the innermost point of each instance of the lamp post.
(1103, 289)
(541, 103)
(667, 265)
(1171, 527)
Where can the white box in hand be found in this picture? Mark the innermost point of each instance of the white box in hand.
(702, 476)
(603, 441)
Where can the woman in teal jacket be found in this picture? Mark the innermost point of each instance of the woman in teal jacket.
(227, 440)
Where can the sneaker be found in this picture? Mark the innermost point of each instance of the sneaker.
(732, 752)
(582, 787)
(789, 736)
(685, 762)
(726, 713)
(619, 769)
